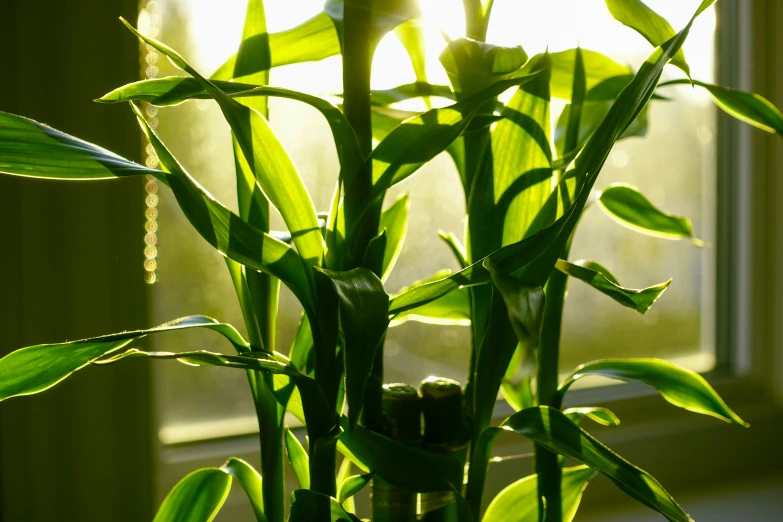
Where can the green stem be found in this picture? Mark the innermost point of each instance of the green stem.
(546, 462)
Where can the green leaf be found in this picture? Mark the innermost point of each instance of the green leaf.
(313, 40)
(352, 485)
(309, 506)
(37, 368)
(551, 429)
(629, 207)
(602, 280)
(598, 68)
(503, 206)
(250, 480)
(602, 416)
(473, 66)
(399, 464)
(395, 221)
(31, 149)
(518, 502)
(592, 114)
(196, 498)
(297, 456)
(226, 231)
(386, 14)
(268, 160)
(363, 313)
(455, 246)
(681, 387)
(652, 26)
(452, 308)
(411, 36)
(748, 107)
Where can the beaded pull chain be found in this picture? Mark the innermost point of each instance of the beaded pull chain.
(149, 23)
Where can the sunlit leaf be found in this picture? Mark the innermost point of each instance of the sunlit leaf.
(598, 68)
(455, 246)
(37, 368)
(518, 502)
(604, 282)
(352, 485)
(297, 456)
(250, 480)
(629, 207)
(602, 416)
(29, 148)
(504, 203)
(314, 39)
(746, 106)
(684, 388)
(196, 498)
(452, 308)
(410, 90)
(395, 221)
(652, 26)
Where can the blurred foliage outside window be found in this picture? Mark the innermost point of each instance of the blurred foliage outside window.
(675, 165)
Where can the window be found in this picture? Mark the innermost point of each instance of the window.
(675, 165)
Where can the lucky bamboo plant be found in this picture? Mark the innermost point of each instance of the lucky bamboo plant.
(525, 191)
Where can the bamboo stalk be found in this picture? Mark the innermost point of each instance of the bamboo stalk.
(444, 433)
(402, 409)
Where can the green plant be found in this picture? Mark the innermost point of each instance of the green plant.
(512, 285)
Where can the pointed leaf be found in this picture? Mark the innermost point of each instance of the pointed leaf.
(298, 458)
(250, 480)
(452, 308)
(31, 149)
(352, 485)
(652, 26)
(629, 207)
(455, 246)
(395, 221)
(748, 107)
(681, 387)
(551, 429)
(363, 309)
(313, 40)
(518, 502)
(602, 416)
(37, 368)
(604, 282)
(196, 498)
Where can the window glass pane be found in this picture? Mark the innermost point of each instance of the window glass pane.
(674, 166)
